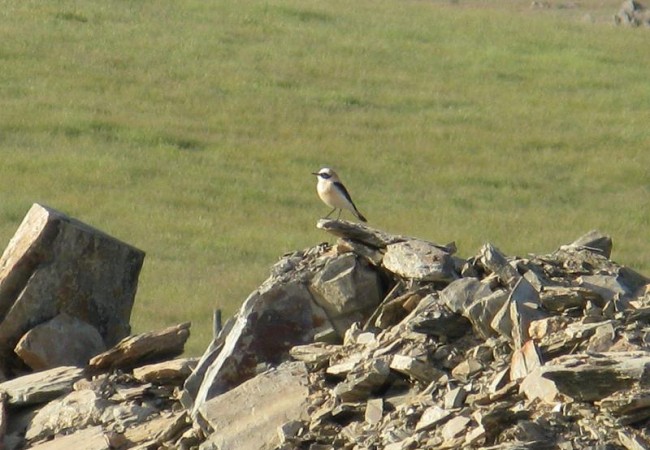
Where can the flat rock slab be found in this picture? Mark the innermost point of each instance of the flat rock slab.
(62, 341)
(56, 264)
(145, 347)
(76, 410)
(358, 232)
(41, 387)
(92, 438)
(592, 377)
(248, 416)
(154, 432)
(414, 368)
(168, 372)
(419, 260)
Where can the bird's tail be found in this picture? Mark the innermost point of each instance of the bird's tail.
(359, 215)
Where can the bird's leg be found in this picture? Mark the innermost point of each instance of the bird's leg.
(329, 213)
(339, 216)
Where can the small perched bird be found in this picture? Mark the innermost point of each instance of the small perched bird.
(333, 193)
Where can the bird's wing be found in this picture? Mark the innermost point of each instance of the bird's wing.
(343, 191)
(338, 185)
(346, 194)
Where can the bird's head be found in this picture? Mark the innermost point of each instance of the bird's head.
(326, 174)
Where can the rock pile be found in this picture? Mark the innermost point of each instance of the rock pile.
(376, 342)
(435, 351)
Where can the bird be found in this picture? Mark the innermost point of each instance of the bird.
(332, 192)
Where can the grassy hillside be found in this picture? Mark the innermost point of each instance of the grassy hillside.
(190, 129)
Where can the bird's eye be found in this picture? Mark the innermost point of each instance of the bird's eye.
(325, 175)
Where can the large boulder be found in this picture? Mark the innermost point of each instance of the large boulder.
(348, 289)
(55, 264)
(274, 318)
(61, 341)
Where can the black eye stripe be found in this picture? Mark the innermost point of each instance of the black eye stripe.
(325, 175)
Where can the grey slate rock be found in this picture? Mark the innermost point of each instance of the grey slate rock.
(40, 387)
(419, 260)
(248, 416)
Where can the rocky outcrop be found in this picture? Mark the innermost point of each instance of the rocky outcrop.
(376, 341)
(498, 352)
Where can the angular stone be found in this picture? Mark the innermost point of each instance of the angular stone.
(288, 431)
(608, 287)
(56, 264)
(414, 368)
(433, 318)
(589, 378)
(489, 398)
(558, 299)
(525, 360)
(535, 386)
(342, 369)
(603, 338)
(495, 261)
(432, 416)
(374, 411)
(78, 409)
(419, 260)
(172, 372)
(484, 310)
(502, 320)
(541, 328)
(467, 369)
(455, 427)
(154, 432)
(127, 414)
(42, 386)
(317, 353)
(247, 417)
(363, 381)
(475, 435)
(455, 398)
(499, 380)
(348, 289)
(61, 341)
(524, 309)
(193, 382)
(462, 293)
(142, 348)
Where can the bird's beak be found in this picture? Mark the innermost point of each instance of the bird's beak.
(315, 173)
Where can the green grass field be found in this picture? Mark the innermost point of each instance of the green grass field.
(189, 129)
